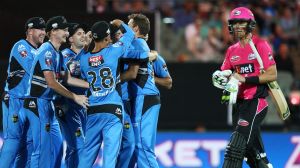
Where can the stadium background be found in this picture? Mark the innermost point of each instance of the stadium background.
(191, 111)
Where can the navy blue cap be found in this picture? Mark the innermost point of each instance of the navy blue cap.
(56, 22)
(35, 23)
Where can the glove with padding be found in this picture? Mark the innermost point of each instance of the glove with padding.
(220, 78)
(233, 87)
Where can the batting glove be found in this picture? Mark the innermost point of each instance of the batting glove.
(220, 78)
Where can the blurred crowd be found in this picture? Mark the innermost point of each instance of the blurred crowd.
(196, 30)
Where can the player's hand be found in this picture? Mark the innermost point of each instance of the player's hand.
(220, 78)
(81, 100)
(152, 55)
(117, 22)
(88, 38)
(232, 85)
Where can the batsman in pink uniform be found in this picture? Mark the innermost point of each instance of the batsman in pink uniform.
(251, 106)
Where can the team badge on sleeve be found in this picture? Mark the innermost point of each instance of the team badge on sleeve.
(165, 67)
(48, 58)
(22, 50)
(95, 61)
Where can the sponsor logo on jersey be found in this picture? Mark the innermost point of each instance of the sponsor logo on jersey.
(251, 56)
(245, 68)
(118, 111)
(32, 104)
(235, 58)
(95, 61)
(243, 122)
(22, 50)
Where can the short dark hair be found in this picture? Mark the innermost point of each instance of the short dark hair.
(142, 22)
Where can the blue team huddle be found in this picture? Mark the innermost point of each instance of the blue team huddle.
(101, 91)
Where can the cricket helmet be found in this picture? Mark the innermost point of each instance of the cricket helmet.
(241, 14)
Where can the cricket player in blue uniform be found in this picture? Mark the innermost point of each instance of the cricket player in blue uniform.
(128, 139)
(47, 140)
(16, 129)
(146, 98)
(100, 69)
(72, 116)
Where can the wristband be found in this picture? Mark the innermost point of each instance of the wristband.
(252, 80)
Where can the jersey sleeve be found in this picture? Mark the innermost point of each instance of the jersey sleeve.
(120, 47)
(46, 60)
(266, 53)
(160, 68)
(135, 55)
(127, 37)
(226, 63)
(23, 56)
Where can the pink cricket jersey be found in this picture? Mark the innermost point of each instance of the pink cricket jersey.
(243, 61)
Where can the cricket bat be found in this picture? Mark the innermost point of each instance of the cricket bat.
(274, 89)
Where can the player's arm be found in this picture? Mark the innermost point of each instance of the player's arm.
(268, 76)
(71, 81)
(23, 56)
(162, 76)
(60, 89)
(164, 82)
(87, 41)
(130, 73)
(128, 34)
(152, 55)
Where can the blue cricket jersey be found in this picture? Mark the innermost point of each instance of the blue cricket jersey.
(47, 59)
(18, 72)
(71, 63)
(100, 69)
(124, 85)
(160, 67)
(144, 83)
